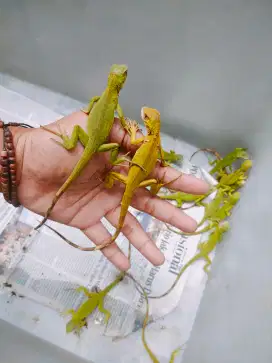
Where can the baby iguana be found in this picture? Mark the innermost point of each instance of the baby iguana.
(181, 197)
(228, 160)
(95, 300)
(233, 181)
(205, 248)
(99, 124)
(216, 211)
(141, 165)
(171, 156)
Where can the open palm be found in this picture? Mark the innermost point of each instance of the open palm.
(43, 166)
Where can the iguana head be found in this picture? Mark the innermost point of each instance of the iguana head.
(151, 118)
(246, 165)
(224, 227)
(234, 198)
(75, 326)
(241, 153)
(117, 76)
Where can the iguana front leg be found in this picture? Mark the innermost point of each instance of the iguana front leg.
(78, 134)
(70, 142)
(88, 109)
(112, 176)
(122, 118)
(113, 147)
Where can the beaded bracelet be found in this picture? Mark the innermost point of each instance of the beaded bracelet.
(8, 164)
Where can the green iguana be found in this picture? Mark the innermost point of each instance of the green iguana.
(95, 300)
(100, 120)
(235, 180)
(215, 212)
(205, 248)
(228, 160)
(181, 197)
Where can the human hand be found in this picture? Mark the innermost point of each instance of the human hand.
(43, 166)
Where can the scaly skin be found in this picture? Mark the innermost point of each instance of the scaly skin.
(99, 124)
(95, 300)
(181, 197)
(216, 211)
(232, 182)
(141, 165)
(171, 156)
(228, 160)
(205, 248)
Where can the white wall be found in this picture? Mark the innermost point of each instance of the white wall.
(206, 64)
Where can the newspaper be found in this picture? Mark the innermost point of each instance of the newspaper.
(42, 268)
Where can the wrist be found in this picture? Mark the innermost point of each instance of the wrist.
(18, 145)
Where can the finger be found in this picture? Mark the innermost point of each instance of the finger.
(163, 210)
(102, 203)
(99, 234)
(186, 182)
(118, 134)
(134, 232)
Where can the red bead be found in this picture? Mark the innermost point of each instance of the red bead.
(12, 167)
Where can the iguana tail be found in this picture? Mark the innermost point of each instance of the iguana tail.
(125, 203)
(80, 165)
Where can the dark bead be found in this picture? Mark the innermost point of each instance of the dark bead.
(4, 162)
(11, 153)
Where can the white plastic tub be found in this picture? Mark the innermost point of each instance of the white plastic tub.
(206, 65)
